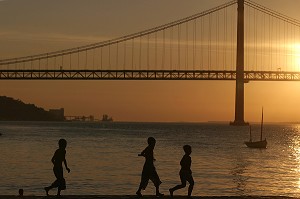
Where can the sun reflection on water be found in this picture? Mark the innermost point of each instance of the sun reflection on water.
(295, 147)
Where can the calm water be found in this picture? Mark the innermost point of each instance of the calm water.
(103, 157)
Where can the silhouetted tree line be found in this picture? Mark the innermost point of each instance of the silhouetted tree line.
(16, 110)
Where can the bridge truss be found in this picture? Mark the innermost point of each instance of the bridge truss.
(146, 75)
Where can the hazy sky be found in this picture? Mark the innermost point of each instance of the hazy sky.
(35, 26)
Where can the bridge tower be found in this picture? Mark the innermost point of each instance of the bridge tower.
(239, 90)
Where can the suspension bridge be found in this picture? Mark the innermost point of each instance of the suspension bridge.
(239, 40)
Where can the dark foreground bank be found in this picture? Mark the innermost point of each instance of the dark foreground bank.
(144, 197)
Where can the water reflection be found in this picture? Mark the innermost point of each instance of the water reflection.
(295, 152)
(239, 178)
(103, 157)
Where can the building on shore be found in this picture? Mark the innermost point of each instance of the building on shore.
(106, 118)
(59, 114)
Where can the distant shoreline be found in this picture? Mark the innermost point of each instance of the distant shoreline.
(146, 122)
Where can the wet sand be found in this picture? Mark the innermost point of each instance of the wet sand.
(144, 197)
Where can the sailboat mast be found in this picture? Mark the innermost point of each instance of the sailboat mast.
(250, 134)
(261, 125)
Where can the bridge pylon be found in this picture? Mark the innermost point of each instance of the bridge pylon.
(239, 90)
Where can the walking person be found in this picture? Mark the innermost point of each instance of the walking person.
(185, 172)
(58, 158)
(149, 171)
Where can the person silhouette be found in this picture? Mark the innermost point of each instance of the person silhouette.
(58, 158)
(21, 193)
(149, 171)
(185, 172)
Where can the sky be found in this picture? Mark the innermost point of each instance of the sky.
(35, 26)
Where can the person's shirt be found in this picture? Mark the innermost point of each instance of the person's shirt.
(148, 154)
(185, 163)
(59, 157)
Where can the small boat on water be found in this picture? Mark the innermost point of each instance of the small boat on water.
(262, 144)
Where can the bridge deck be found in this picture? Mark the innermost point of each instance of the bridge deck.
(145, 75)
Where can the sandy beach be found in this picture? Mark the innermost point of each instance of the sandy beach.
(144, 197)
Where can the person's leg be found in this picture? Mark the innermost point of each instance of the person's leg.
(58, 191)
(143, 184)
(47, 190)
(61, 182)
(138, 192)
(156, 181)
(191, 181)
(55, 183)
(182, 185)
(158, 194)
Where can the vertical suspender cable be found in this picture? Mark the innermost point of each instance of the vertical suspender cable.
(124, 62)
(86, 59)
(70, 60)
(269, 42)
(47, 62)
(255, 39)
(164, 49)
(30, 64)
(187, 45)
(93, 58)
(78, 58)
(140, 53)
(225, 39)
(293, 57)
(178, 46)
(194, 43)
(132, 54)
(209, 45)
(155, 46)
(217, 41)
(117, 56)
(202, 43)
(171, 50)
(148, 50)
(109, 66)
(101, 58)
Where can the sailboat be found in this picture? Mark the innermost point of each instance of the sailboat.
(258, 144)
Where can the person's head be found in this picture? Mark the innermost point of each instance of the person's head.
(62, 143)
(151, 141)
(187, 149)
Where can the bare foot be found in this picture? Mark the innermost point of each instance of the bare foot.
(47, 190)
(139, 194)
(171, 192)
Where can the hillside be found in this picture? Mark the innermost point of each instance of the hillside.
(16, 110)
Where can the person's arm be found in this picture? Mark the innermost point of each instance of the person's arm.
(66, 165)
(53, 158)
(142, 153)
(190, 162)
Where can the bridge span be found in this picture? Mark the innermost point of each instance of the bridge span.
(239, 40)
(146, 75)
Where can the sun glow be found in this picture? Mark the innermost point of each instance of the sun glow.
(296, 55)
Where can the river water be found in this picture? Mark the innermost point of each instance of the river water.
(103, 158)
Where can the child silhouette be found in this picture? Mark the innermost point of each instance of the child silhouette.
(58, 158)
(185, 172)
(149, 171)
